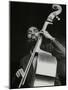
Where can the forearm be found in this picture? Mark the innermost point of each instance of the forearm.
(59, 46)
(56, 44)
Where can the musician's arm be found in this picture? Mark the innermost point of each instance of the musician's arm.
(57, 47)
(23, 64)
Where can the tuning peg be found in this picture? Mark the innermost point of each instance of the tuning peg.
(57, 18)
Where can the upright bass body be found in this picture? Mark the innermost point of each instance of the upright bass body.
(46, 63)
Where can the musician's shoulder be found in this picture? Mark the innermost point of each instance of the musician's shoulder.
(25, 58)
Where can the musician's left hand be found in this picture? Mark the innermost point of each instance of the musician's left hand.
(47, 35)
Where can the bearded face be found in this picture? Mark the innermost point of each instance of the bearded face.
(32, 33)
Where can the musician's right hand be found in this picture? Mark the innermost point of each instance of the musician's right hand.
(20, 72)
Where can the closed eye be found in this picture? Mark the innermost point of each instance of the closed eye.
(35, 30)
(29, 31)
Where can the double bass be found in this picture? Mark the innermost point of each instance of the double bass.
(48, 21)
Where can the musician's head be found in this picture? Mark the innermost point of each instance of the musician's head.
(32, 33)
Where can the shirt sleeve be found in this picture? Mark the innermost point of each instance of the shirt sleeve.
(58, 50)
(31, 74)
(54, 47)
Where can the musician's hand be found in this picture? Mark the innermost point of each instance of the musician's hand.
(20, 72)
(47, 35)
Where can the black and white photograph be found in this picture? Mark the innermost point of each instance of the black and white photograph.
(37, 44)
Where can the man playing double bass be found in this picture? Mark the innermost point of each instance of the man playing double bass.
(51, 45)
